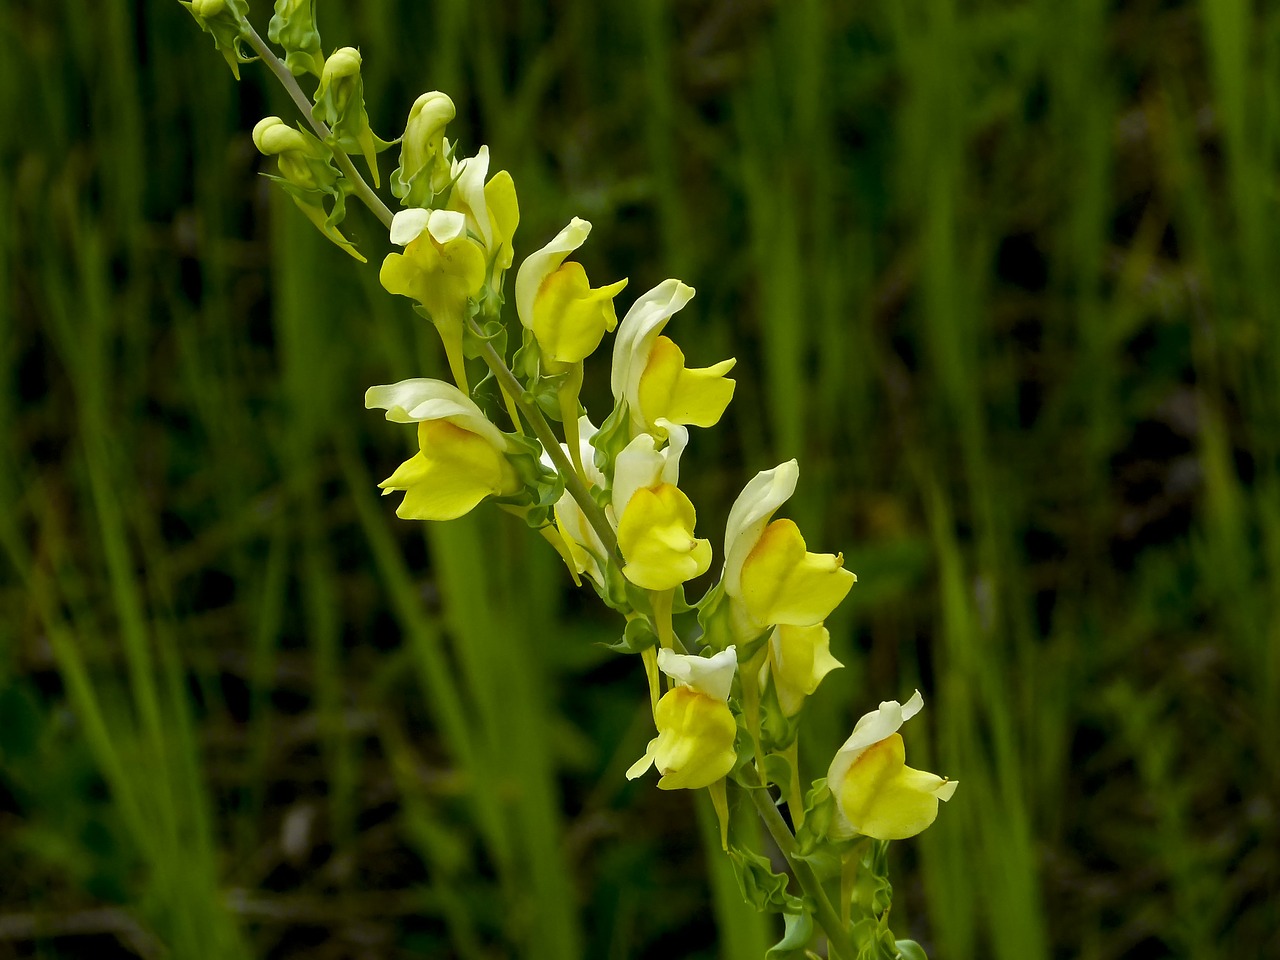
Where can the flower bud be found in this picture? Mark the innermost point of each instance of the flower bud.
(424, 168)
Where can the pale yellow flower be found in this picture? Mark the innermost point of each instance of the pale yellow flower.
(876, 793)
(696, 728)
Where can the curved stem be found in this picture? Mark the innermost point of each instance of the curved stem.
(511, 386)
(837, 934)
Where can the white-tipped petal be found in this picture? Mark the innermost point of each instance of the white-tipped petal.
(446, 225)
(421, 398)
(540, 264)
(636, 334)
(677, 440)
(407, 225)
(469, 184)
(710, 675)
(638, 466)
(750, 514)
(870, 729)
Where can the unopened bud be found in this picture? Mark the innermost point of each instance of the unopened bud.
(207, 8)
(272, 136)
(421, 150)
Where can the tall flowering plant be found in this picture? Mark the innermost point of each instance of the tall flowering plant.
(727, 692)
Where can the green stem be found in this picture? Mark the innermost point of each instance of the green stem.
(837, 934)
(276, 66)
(510, 384)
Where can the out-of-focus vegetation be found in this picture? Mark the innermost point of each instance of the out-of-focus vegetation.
(1002, 274)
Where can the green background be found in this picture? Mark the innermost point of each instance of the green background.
(1003, 276)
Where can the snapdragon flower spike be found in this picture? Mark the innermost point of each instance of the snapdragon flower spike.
(461, 458)
(558, 306)
(649, 373)
(655, 519)
(877, 795)
(491, 210)
(696, 728)
(441, 268)
(768, 572)
(798, 659)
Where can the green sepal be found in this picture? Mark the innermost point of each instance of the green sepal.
(910, 950)
(528, 358)
(713, 617)
(293, 26)
(310, 201)
(760, 886)
(492, 332)
(541, 487)
(797, 934)
(636, 638)
(777, 730)
(776, 769)
(819, 814)
(612, 437)
(228, 25)
(416, 190)
(744, 745)
(614, 593)
(875, 940)
(638, 599)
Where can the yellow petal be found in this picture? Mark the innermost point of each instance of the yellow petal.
(670, 390)
(782, 583)
(884, 798)
(504, 214)
(454, 471)
(569, 318)
(656, 538)
(799, 657)
(694, 747)
(441, 277)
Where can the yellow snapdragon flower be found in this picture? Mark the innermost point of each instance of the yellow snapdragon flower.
(768, 571)
(461, 458)
(648, 369)
(654, 518)
(876, 793)
(696, 728)
(557, 304)
(441, 268)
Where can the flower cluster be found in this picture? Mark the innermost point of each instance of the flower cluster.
(729, 675)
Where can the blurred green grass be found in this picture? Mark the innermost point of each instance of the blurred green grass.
(1002, 275)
